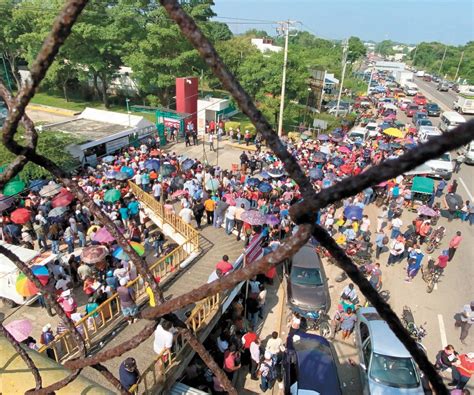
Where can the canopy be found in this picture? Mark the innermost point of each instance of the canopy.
(112, 195)
(393, 132)
(13, 187)
(423, 185)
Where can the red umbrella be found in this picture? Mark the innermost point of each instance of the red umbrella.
(21, 216)
(344, 150)
(63, 199)
(94, 254)
(346, 169)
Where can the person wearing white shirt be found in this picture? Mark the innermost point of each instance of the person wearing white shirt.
(163, 338)
(254, 358)
(396, 225)
(365, 225)
(230, 219)
(138, 179)
(186, 214)
(157, 190)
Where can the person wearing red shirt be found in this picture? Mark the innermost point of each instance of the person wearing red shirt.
(224, 265)
(462, 370)
(453, 245)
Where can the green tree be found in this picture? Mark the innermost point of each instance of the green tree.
(357, 49)
(384, 48)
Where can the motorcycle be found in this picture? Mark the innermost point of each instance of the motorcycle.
(417, 332)
(434, 240)
(316, 321)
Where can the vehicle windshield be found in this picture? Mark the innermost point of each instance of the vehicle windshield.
(433, 106)
(445, 158)
(413, 107)
(394, 371)
(306, 276)
(357, 135)
(369, 127)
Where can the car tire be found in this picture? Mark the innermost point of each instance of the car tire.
(325, 330)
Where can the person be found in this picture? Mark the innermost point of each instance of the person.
(230, 219)
(380, 242)
(209, 206)
(224, 265)
(198, 211)
(445, 358)
(158, 242)
(396, 225)
(231, 361)
(211, 141)
(348, 320)
(127, 301)
(464, 320)
(247, 137)
(275, 345)
(375, 278)
(295, 322)
(349, 293)
(47, 337)
(462, 370)
(262, 297)
(40, 235)
(186, 215)
(157, 190)
(440, 188)
(163, 342)
(238, 220)
(454, 245)
(267, 372)
(397, 248)
(254, 358)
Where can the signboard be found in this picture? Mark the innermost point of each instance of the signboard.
(320, 124)
(115, 145)
(171, 122)
(316, 86)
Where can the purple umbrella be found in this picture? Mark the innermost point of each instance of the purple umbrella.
(253, 217)
(240, 201)
(353, 212)
(265, 175)
(315, 173)
(428, 211)
(323, 137)
(272, 220)
(111, 174)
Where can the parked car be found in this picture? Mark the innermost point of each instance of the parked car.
(419, 115)
(306, 283)
(386, 366)
(420, 99)
(469, 153)
(441, 167)
(423, 122)
(443, 86)
(427, 78)
(309, 366)
(449, 120)
(433, 110)
(372, 129)
(426, 132)
(412, 109)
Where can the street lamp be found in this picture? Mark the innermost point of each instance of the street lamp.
(127, 101)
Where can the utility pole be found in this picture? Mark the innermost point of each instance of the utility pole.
(284, 28)
(345, 48)
(370, 81)
(442, 60)
(127, 100)
(459, 65)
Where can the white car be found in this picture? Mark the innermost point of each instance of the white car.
(441, 167)
(427, 132)
(372, 129)
(357, 135)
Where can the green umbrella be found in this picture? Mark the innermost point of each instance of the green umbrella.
(16, 178)
(13, 187)
(112, 195)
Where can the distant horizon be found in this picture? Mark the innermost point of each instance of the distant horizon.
(445, 21)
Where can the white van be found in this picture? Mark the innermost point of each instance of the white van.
(469, 153)
(449, 120)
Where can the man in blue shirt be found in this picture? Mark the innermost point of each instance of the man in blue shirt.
(133, 208)
(128, 373)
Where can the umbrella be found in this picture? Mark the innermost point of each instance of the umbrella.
(21, 216)
(64, 199)
(121, 176)
(272, 220)
(323, 137)
(103, 236)
(5, 202)
(428, 211)
(344, 149)
(337, 161)
(245, 202)
(94, 254)
(20, 329)
(187, 164)
(111, 174)
(315, 173)
(13, 188)
(57, 212)
(265, 187)
(253, 182)
(454, 201)
(275, 173)
(393, 132)
(265, 175)
(212, 184)
(178, 193)
(346, 169)
(112, 195)
(167, 169)
(390, 117)
(92, 229)
(229, 198)
(384, 146)
(152, 164)
(36, 185)
(119, 253)
(177, 183)
(50, 190)
(353, 212)
(128, 171)
(253, 217)
(25, 287)
(108, 159)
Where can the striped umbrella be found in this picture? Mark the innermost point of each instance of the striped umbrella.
(25, 287)
(119, 253)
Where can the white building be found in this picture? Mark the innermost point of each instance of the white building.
(209, 109)
(389, 66)
(265, 45)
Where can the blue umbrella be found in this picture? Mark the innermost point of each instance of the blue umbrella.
(57, 212)
(152, 164)
(353, 212)
(111, 174)
(275, 173)
(187, 164)
(108, 159)
(127, 170)
(315, 173)
(384, 146)
(121, 176)
(253, 182)
(265, 187)
(265, 175)
(36, 185)
(337, 161)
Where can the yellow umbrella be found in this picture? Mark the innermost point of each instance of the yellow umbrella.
(93, 228)
(394, 132)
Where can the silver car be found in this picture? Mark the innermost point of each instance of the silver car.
(387, 368)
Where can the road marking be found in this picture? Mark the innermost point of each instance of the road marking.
(467, 190)
(442, 331)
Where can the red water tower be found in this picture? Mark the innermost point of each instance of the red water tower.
(187, 97)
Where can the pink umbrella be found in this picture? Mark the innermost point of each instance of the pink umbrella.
(103, 236)
(19, 329)
(178, 193)
(344, 150)
(230, 199)
(63, 199)
(253, 217)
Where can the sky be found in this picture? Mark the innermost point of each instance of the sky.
(406, 21)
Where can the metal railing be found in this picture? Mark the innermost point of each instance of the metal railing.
(92, 325)
(157, 371)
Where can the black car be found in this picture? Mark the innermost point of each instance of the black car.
(307, 289)
(433, 110)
